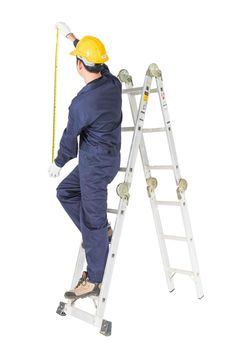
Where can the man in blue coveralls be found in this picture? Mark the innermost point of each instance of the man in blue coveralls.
(94, 115)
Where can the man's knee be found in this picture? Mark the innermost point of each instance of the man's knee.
(61, 193)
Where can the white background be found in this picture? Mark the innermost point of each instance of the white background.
(195, 44)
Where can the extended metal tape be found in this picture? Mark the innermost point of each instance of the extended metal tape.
(55, 95)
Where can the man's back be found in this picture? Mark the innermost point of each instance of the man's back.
(100, 102)
(94, 114)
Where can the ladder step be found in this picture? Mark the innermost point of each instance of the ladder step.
(81, 314)
(112, 211)
(160, 167)
(145, 130)
(184, 272)
(122, 169)
(168, 203)
(153, 130)
(176, 238)
(127, 128)
(137, 91)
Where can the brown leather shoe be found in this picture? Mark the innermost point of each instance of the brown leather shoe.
(83, 289)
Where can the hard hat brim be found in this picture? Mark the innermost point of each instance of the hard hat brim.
(76, 53)
(73, 53)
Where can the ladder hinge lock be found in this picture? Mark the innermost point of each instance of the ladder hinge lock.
(124, 77)
(154, 71)
(182, 186)
(152, 184)
(122, 190)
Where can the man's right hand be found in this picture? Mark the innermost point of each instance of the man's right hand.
(63, 28)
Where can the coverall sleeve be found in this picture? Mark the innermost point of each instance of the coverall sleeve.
(75, 42)
(68, 148)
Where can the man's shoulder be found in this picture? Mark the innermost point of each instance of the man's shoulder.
(75, 103)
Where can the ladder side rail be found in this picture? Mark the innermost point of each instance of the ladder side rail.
(152, 198)
(127, 179)
(78, 267)
(182, 201)
(167, 123)
(103, 297)
(191, 246)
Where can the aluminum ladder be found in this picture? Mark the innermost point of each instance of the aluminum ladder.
(138, 115)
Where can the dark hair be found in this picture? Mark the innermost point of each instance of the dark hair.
(92, 69)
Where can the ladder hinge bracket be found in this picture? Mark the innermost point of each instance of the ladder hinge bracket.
(124, 77)
(122, 190)
(182, 186)
(154, 71)
(152, 184)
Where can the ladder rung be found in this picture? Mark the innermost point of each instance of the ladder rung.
(184, 272)
(122, 169)
(176, 238)
(137, 91)
(81, 314)
(145, 130)
(160, 167)
(168, 203)
(127, 128)
(112, 211)
(153, 130)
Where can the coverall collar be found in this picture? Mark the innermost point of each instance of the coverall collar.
(93, 84)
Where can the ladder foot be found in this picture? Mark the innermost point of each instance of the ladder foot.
(106, 328)
(171, 291)
(60, 310)
(201, 297)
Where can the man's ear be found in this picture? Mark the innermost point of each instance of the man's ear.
(78, 65)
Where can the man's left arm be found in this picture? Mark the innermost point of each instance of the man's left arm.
(68, 148)
(69, 145)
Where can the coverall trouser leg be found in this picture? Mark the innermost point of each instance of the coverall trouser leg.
(83, 195)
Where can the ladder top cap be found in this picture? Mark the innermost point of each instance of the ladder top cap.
(154, 71)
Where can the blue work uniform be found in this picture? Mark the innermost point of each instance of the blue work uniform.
(94, 115)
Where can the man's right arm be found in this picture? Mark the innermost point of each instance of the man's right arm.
(65, 30)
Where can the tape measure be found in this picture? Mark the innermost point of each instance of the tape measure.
(55, 95)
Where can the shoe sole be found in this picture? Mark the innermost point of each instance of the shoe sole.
(83, 296)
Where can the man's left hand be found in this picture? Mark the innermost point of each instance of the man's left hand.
(54, 170)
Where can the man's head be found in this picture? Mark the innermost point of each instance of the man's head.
(90, 55)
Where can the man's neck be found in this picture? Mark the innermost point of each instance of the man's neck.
(92, 76)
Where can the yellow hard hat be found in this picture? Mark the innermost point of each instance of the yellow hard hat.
(91, 49)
